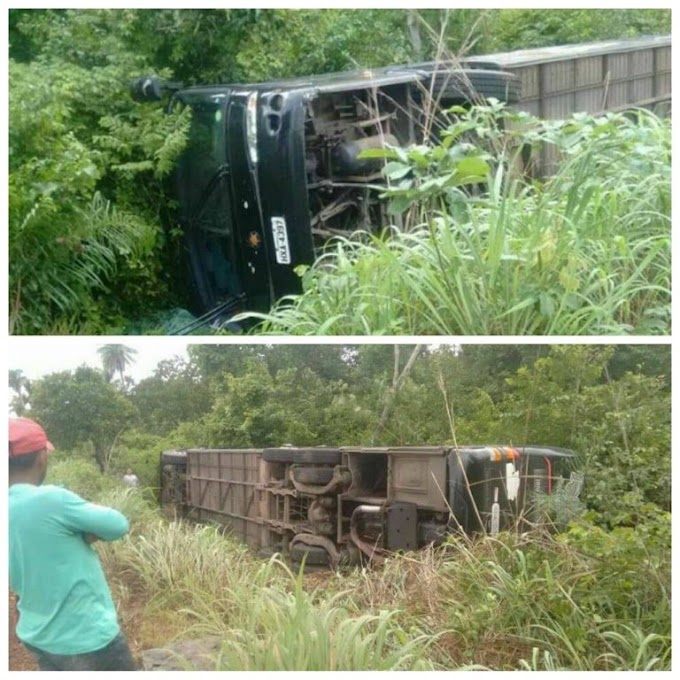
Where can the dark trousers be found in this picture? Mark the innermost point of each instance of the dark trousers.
(115, 656)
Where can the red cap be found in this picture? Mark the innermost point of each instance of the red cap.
(26, 436)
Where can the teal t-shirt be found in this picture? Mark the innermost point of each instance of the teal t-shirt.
(65, 605)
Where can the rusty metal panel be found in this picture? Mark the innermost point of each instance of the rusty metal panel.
(663, 58)
(529, 77)
(617, 95)
(663, 84)
(641, 89)
(223, 485)
(558, 106)
(610, 75)
(617, 66)
(417, 477)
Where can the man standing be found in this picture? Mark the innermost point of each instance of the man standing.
(131, 479)
(66, 616)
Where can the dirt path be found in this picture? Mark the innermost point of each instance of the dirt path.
(20, 659)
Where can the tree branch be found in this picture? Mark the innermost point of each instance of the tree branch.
(391, 393)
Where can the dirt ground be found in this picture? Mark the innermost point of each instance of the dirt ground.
(20, 659)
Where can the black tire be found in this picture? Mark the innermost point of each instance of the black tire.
(174, 458)
(316, 555)
(281, 455)
(313, 475)
(317, 456)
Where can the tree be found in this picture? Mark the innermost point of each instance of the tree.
(115, 359)
(524, 28)
(21, 386)
(81, 407)
(174, 394)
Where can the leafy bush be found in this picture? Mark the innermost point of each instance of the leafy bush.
(82, 476)
(83, 241)
(539, 28)
(140, 452)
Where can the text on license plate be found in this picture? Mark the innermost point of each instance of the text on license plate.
(280, 235)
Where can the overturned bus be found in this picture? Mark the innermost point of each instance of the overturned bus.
(272, 170)
(348, 505)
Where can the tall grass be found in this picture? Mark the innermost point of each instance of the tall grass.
(267, 620)
(173, 562)
(584, 600)
(299, 630)
(586, 251)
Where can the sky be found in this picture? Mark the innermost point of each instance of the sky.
(38, 356)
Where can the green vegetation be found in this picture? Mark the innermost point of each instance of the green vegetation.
(594, 596)
(92, 247)
(586, 599)
(586, 251)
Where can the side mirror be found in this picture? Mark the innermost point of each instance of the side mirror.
(146, 89)
(150, 88)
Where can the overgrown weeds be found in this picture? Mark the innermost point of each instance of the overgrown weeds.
(587, 599)
(266, 617)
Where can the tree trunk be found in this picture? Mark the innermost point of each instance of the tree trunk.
(413, 25)
(397, 381)
(100, 457)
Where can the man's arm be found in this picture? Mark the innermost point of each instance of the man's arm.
(94, 521)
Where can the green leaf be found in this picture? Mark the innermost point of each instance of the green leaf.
(395, 170)
(384, 152)
(473, 166)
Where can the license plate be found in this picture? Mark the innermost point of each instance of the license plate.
(280, 234)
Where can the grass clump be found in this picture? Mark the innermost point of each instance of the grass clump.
(482, 249)
(293, 629)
